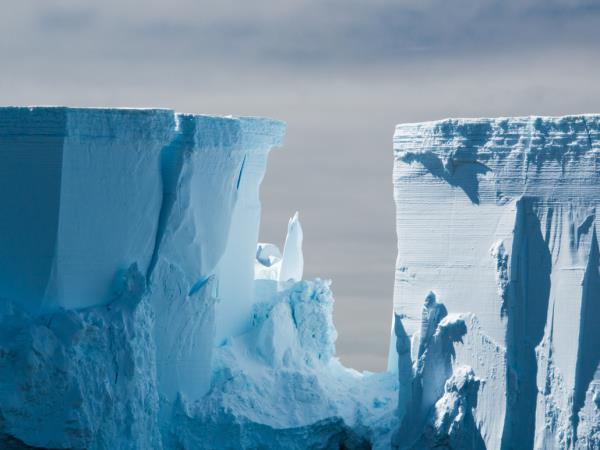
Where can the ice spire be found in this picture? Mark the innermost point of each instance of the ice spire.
(292, 263)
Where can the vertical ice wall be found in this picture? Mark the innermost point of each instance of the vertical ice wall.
(236, 275)
(119, 230)
(498, 217)
(80, 198)
(202, 271)
(200, 171)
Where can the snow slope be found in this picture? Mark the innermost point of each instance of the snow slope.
(498, 218)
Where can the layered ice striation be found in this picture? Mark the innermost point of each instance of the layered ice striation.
(121, 232)
(498, 218)
(80, 197)
(138, 310)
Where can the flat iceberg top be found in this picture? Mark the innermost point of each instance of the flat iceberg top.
(153, 122)
(498, 135)
(501, 118)
(551, 157)
(124, 111)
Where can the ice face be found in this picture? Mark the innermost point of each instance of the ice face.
(200, 170)
(292, 262)
(498, 217)
(432, 314)
(212, 171)
(137, 310)
(112, 219)
(236, 285)
(80, 198)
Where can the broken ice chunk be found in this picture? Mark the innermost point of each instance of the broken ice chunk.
(267, 254)
(292, 263)
(431, 315)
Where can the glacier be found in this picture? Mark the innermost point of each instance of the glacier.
(139, 310)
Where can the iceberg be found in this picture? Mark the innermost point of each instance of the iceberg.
(80, 197)
(122, 230)
(138, 309)
(498, 218)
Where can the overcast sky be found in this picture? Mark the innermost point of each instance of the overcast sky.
(340, 73)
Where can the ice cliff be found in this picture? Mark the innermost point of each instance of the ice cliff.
(139, 311)
(497, 222)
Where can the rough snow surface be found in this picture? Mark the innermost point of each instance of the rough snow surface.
(281, 377)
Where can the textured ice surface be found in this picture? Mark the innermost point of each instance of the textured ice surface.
(110, 219)
(138, 311)
(80, 198)
(279, 386)
(498, 218)
(292, 262)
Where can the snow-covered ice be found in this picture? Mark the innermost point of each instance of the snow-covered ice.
(131, 314)
(138, 310)
(292, 261)
(80, 197)
(498, 217)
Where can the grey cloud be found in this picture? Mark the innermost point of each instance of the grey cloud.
(301, 32)
(66, 20)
